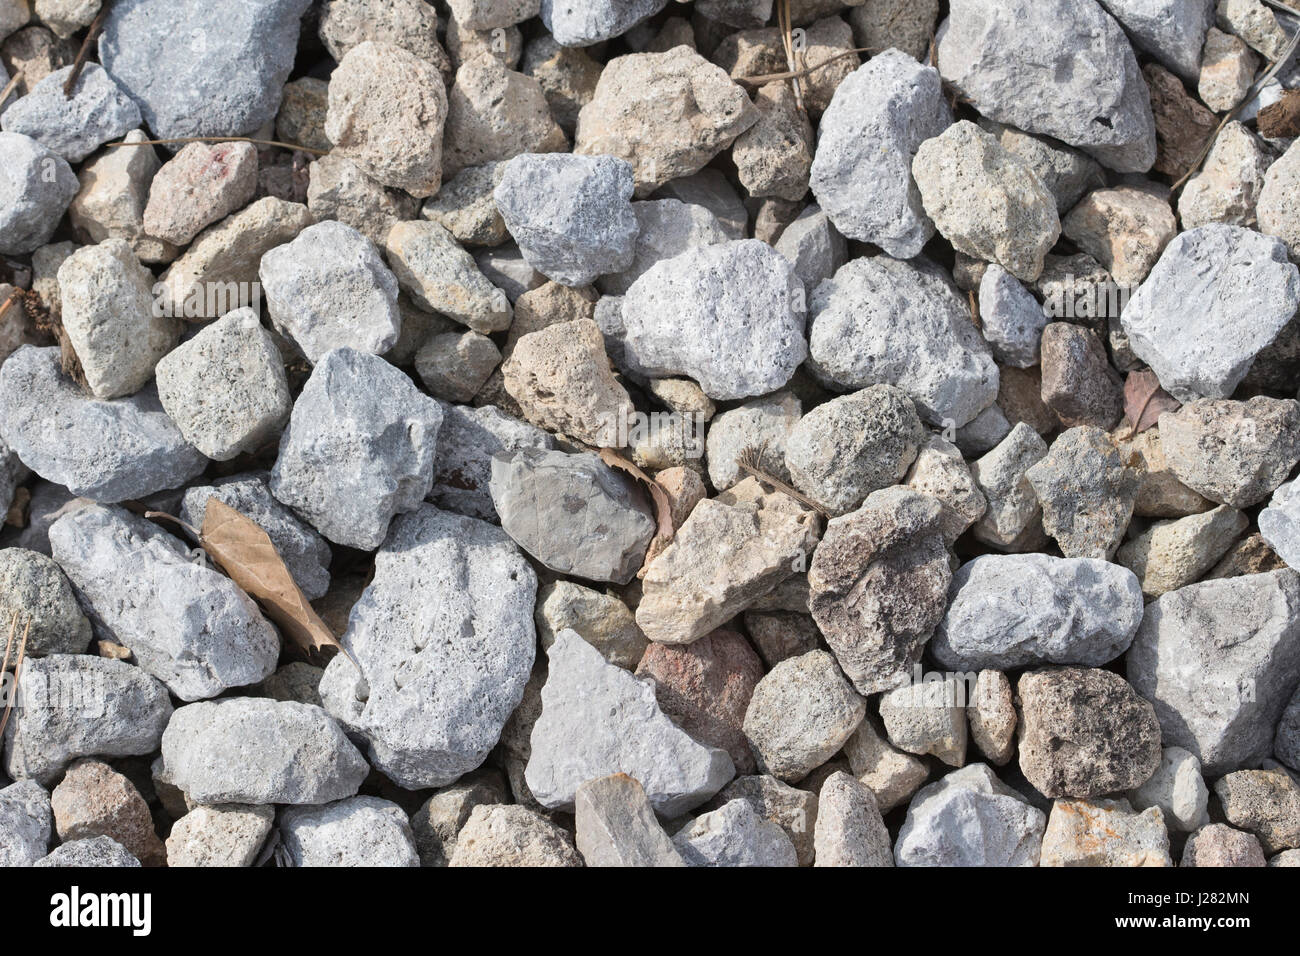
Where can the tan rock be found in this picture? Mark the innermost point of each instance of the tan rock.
(992, 717)
(892, 775)
(1183, 125)
(600, 619)
(1173, 554)
(494, 113)
(1227, 71)
(1104, 833)
(111, 203)
(1125, 229)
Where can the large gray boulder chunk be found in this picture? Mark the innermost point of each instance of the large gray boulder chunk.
(444, 640)
(1058, 67)
(878, 584)
(598, 719)
(329, 289)
(1009, 610)
(668, 114)
(880, 321)
(1085, 732)
(35, 191)
(573, 513)
(735, 835)
(225, 388)
(571, 215)
(108, 312)
(970, 818)
(802, 712)
(616, 825)
(862, 173)
(109, 451)
(1220, 660)
(358, 450)
(591, 21)
(25, 823)
(117, 710)
(305, 553)
(849, 830)
(1218, 296)
(467, 441)
(229, 62)
(1172, 31)
(1279, 523)
(77, 125)
(358, 831)
(666, 228)
(35, 590)
(186, 623)
(257, 750)
(728, 315)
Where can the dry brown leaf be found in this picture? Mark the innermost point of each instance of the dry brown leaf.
(1281, 120)
(1145, 401)
(246, 554)
(663, 507)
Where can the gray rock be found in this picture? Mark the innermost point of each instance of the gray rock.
(329, 289)
(801, 714)
(186, 623)
(792, 809)
(616, 825)
(760, 423)
(848, 447)
(358, 449)
(970, 818)
(109, 451)
(1216, 298)
(1264, 802)
(728, 315)
(881, 321)
(337, 189)
(1013, 319)
(849, 829)
(983, 433)
(940, 472)
(1286, 745)
(878, 584)
(506, 268)
(571, 215)
(712, 190)
(444, 640)
(75, 126)
(1178, 789)
(77, 705)
(305, 553)
(862, 172)
(666, 228)
(229, 64)
(1172, 31)
(929, 717)
(1279, 523)
(1013, 508)
(225, 388)
(93, 852)
(358, 831)
(36, 190)
(12, 473)
(1008, 611)
(598, 719)
(1054, 67)
(607, 519)
(734, 835)
(1066, 172)
(582, 24)
(465, 207)
(255, 750)
(25, 823)
(815, 248)
(34, 590)
(442, 277)
(1243, 636)
(467, 442)
(229, 835)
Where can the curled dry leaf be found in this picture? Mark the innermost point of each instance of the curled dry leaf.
(1145, 401)
(663, 507)
(245, 552)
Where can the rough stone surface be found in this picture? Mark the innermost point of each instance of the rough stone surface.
(1012, 318)
(773, 157)
(358, 448)
(940, 472)
(34, 589)
(1178, 789)
(494, 113)
(31, 203)
(466, 208)
(584, 24)
(1079, 384)
(666, 228)
(1264, 802)
(1087, 492)
(849, 829)
(1228, 69)
(1104, 833)
(928, 718)
(338, 190)
(1013, 509)
(358, 831)
(1172, 31)
(792, 809)
(889, 773)
(115, 186)
(616, 826)
(96, 852)
(203, 184)
(1228, 187)
(229, 835)
(1125, 229)
(467, 441)
(512, 836)
(735, 835)
(442, 277)
(760, 423)
(1218, 844)
(1172, 554)
(1183, 126)
(95, 800)
(75, 126)
(1279, 523)
(1009, 610)
(437, 824)
(25, 819)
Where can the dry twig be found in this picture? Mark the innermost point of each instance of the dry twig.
(84, 53)
(219, 139)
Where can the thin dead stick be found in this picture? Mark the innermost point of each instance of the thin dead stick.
(18, 670)
(9, 301)
(748, 462)
(13, 629)
(10, 86)
(84, 53)
(219, 139)
(197, 535)
(783, 14)
(808, 71)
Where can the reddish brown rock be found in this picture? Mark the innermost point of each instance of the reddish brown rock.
(95, 800)
(705, 688)
(1079, 384)
(1183, 125)
(201, 185)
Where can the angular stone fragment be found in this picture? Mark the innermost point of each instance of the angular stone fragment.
(228, 835)
(849, 829)
(95, 800)
(861, 173)
(34, 590)
(734, 835)
(1242, 637)
(203, 184)
(437, 824)
(941, 473)
(1218, 295)
(1178, 789)
(24, 823)
(73, 126)
(568, 76)
(992, 716)
(442, 277)
(1279, 523)
(1012, 318)
(1227, 71)
(760, 423)
(187, 624)
(1059, 68)
(727, 555)
(97, 852)
(410, 24)
(512, 836)
(598, 719)
(339, 190)
(1007, 611)
(793, 810)
(773, 157)
(1228, 187)
(882, 321)
(225, 388)
(1183, 126)
(1087, 492)
(1253, 22)
(1234, 453)
(465, 206)
(494, 114)
(928, 718)
(890, 774)
(358, 831)
(119, 710)
(467, 441)
(667, 228)
(970, 818)
(1104, 833)
(255, 750)
(985, 200)
(1066, 172)
(1013, 507)
(1174, 554)
(115, 186)
(34, 193)
(1172, 31)
(667, 114)
(588, 23)
(455, 365)
(1125, 229)
(616, 825)
(301, 119)
(1220, 845)
(358, 448)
